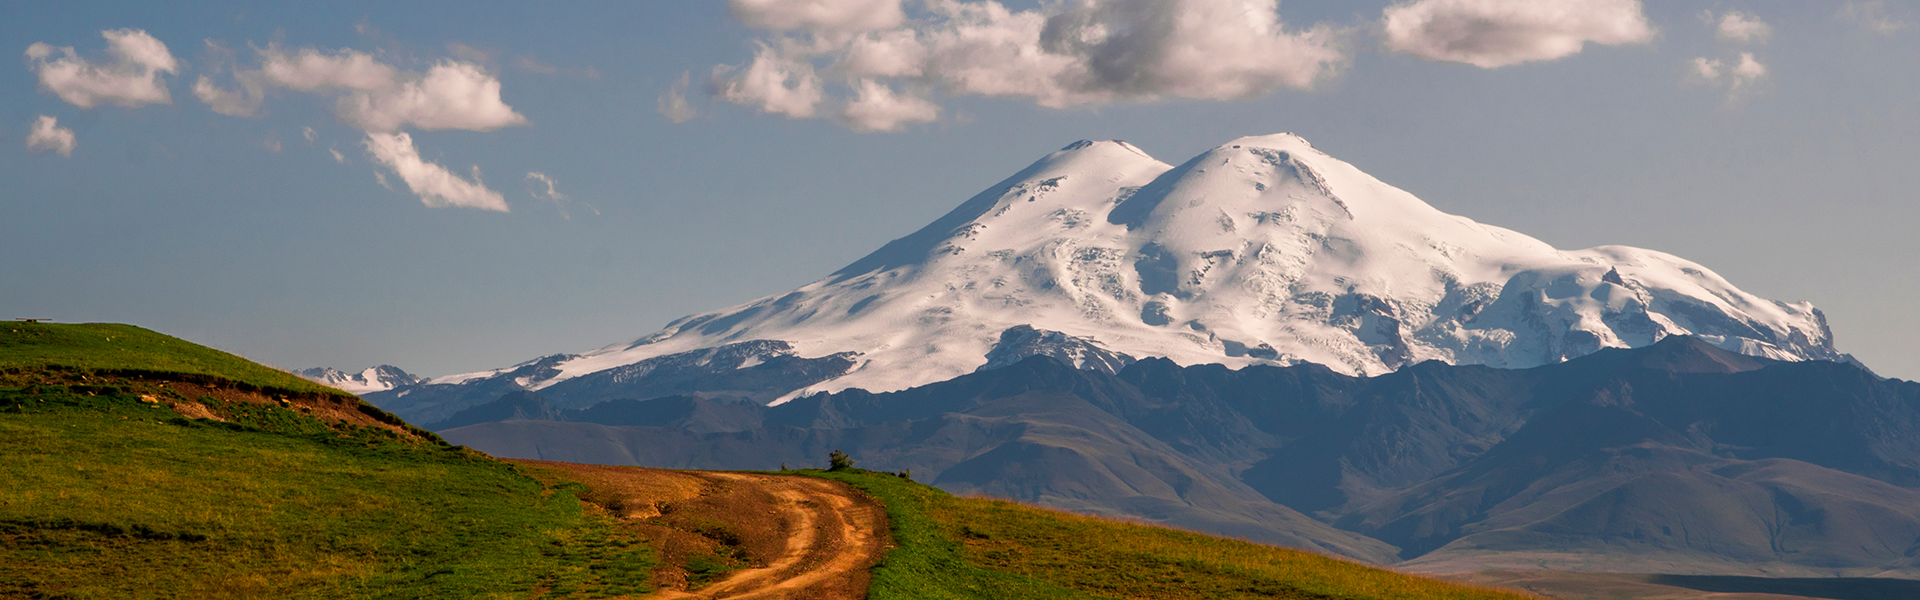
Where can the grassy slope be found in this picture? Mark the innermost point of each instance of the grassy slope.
(114, 347)
(951, 547)
(107, 496)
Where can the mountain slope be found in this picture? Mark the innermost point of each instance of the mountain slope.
(1677, 457)
(1260, 251)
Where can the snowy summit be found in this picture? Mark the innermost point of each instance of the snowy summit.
(1261, 250)
(372, 379)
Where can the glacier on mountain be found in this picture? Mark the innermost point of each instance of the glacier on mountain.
(1259, 251)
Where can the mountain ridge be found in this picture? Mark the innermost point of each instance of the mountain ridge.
(1626, 459)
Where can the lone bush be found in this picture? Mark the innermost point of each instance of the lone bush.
(839, 461)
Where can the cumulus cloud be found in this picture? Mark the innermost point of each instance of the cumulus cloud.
(48, 136)
(272, 143)
(854, 54)
(337, 156)
(434, 184)
(381, 100)
(1497, 33)
(311, 70)
(131, 78)
(774, 82)
(673, 103)
(885, 54)
(452, 95)
(1735, 75)
(879, 108)
(1097, 51)
(818, 15)
(1736, 26)
(377, 96)
(309, 133)
(1872, 16)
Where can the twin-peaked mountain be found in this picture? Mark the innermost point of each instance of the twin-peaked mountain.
(1260, 251)
(1266, 342)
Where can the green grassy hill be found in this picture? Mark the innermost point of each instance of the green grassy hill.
(953, 547)
(279, 487)
(113, 349)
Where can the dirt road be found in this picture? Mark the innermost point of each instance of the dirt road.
(788, 536)
(833, 535)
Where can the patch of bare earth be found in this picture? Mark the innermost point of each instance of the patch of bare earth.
(200, 397)
(778, 536)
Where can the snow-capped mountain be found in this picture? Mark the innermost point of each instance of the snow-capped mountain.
(1262, 250)
(372, 379)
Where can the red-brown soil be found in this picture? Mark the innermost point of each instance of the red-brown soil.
(787, 536)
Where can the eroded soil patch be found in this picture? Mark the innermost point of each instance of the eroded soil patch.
(741, 535)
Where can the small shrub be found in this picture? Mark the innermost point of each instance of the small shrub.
(839, 461)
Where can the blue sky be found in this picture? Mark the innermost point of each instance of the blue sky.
(1791, 175)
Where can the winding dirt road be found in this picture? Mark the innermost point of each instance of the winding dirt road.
(833, 535)
(796, 537)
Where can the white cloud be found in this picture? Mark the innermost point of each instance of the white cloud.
(1872, 16)
(1068, 53)
(48, 136)
(774, 83)
(878, 108)
(543, 179)
(309, 133)
(543, 187)
(337, 156)
(673, 103)
(1735, 75)
(131, 79)
(242, 102)
(896, 53)
(434, 184)
(452, 95)
(1498, 33)
(1707, 69)
(378, 97)
(984, 49)
(818, 15)
(1094, 51)
(1736, 26)
(310, 70)
(272, 143)
(381, 99)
